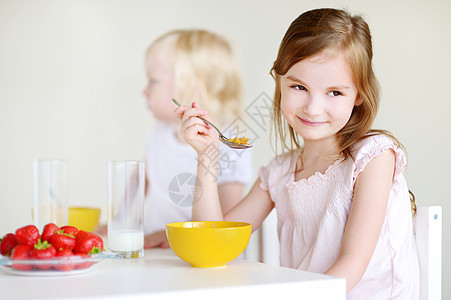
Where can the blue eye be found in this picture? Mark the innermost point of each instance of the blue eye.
(335, 93)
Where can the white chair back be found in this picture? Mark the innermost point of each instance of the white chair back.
(428, 235)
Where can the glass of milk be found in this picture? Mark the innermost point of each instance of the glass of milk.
(126, 181)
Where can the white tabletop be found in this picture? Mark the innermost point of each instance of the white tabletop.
(160, 274)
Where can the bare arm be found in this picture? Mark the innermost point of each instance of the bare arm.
(207, 205)
(230, 194)
(254, 208)
(368, 210)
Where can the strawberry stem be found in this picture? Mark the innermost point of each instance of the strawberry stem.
(41, 245)
(64, 233)
(95, 250)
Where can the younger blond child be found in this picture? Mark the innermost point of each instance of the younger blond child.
(188, 65)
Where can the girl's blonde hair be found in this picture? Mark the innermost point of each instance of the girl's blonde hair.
(205, 71)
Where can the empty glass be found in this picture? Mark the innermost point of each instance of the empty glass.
(50, 186)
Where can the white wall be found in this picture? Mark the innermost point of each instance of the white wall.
(71, 78)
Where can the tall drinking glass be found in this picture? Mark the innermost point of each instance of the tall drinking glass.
(50, 186)
(126, 180)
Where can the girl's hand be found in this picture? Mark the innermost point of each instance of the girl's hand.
(157, 239)
(196, 132)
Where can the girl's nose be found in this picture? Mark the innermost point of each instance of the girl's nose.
(313, 106)
(146, 91)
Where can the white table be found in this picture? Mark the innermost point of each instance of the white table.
(160, 274)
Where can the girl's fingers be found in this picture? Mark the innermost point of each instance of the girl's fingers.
(194, 130)
(195, 105)
(179, 111)
(191, 120)
(185, 113)
(197, 109)
(194, 112)
(197, 124)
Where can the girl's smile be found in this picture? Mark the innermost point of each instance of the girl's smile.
(311, 123)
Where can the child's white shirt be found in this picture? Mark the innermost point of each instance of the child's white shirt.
(312, 215)
(171, 168)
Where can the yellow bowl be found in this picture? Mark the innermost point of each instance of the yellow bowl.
(208, 243)
(84, 218)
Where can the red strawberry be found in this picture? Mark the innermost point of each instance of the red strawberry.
(61, 240)
(21, 252)
(48, 231)
(43, 250)
(88, 243)
(7, 244)
(70, 230)
(64, 252)
(81, 233)
(66, 266)
(28, 235)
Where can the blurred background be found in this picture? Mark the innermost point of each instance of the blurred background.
(72, 75)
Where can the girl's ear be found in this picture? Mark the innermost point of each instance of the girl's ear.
(358, 101)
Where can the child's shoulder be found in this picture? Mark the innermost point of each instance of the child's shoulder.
(278, 170)
(373, 145)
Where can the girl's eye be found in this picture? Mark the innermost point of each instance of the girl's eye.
(335, 93)
(299, 87)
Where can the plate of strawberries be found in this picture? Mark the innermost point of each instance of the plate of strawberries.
(54, 251)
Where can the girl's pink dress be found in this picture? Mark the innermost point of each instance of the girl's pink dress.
(312, 215)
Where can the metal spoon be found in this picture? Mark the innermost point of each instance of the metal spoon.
(222, 138)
